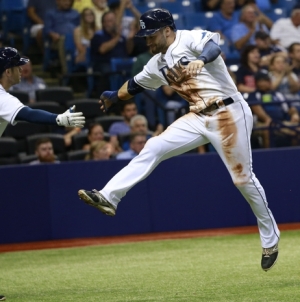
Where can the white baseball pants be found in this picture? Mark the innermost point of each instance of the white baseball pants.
(228, 129)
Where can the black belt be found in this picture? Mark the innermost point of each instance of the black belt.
(215, 106)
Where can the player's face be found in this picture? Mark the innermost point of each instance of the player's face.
(129, 112)
(97, 134)
(157, 42)
(15, 75)
(45, 152)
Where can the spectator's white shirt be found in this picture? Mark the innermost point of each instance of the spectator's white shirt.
(284, 30)
(9, 108)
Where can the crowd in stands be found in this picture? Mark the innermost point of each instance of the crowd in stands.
(260, 42)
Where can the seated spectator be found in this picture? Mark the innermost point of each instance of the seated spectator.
(267, 112)
(263, 5)
(80, 5)
(99, 150)
(250, 65)
(128, 110)
(44, 152)
(283, 79)
(294, 55)
(287, 30)
(267, 48)
(224, 19)
(124, 22)
(251, 21)
(106, 44)
(139, 46)
(29, 82)
(210, 5)
(83, 34)
(68, 134)
(59, 22)
(137, 143)
(36, 11)
(99, 7)
(95, 133)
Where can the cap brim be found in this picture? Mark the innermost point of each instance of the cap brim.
(146, 32)
(23, 61)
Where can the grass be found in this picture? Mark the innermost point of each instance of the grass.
(200, 269)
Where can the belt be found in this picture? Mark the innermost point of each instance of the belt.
(217, 105)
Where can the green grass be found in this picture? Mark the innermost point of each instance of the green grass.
(199, 269)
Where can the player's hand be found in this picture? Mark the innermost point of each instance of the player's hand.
(197, 107)
(107, 99)
(194, 67)
(70, 118)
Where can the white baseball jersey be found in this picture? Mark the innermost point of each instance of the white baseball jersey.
(214, 82)
(9, 108)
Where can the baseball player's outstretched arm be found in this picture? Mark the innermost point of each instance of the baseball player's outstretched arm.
(126, 92)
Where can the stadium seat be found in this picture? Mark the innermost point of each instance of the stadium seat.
(26, 159)
(276, 14)
(8, 148)
(122, 67)
(285, 4)
(106, 121)
(56, 139)
(198, 19)
(145, 6)
(59, 94)
(50, 106)
(77, 155)
(22, 96)
(79, 140)
(180, 7)
(89, 107)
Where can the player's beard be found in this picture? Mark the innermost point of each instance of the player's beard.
(160, 46)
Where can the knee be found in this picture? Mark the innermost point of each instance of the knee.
(153, 146)
(241, 181)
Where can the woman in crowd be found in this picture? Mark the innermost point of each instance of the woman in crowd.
(83, 34)
(99, 150)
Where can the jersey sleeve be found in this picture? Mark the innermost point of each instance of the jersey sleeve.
(200, 38)
(148, 77)
(9, 107)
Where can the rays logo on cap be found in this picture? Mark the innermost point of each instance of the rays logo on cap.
(142, 24)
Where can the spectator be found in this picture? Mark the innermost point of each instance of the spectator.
(59, 22)
(44, 152)
(124, 22)
(106, 44)
(250, 65)
(263, 5)
(83, 34)
(283, 79)
(287, 30)
(99, 150)
(99, 7)
(266, 111)
(209, 5)
(139, 46)
(267, 48)
(251, 21)
(224, 19)
(80, 5)
(95, 133)
(137, 143)
(36, 11)
(294, 54)
(29, 82)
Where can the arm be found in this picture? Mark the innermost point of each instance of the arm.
(109, 45)
(33, 16)
(293, 82)
(240, 43)
(135, 12)
(277, 80)
(44, 117)
(81, 50)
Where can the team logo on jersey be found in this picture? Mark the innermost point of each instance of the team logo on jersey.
(142, 24)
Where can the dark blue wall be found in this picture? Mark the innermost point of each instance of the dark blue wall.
(183, 193)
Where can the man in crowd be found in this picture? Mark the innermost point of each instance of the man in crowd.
(44, 152)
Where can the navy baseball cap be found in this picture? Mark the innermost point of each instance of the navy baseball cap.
(9, 57)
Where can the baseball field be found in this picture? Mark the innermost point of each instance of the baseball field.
(220, 268)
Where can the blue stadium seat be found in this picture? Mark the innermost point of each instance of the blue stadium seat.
(179, 7)
(179, 21)
(286, 4)
(276, 13)
(196, 20)
(122, 67)
(143, 7)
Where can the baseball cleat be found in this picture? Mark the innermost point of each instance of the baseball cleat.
(269, 257)
(2, 298)
(95, 199)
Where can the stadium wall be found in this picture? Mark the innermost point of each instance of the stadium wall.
(188, 192)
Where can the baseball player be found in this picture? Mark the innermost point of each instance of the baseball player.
(12, 110)
(190, 62)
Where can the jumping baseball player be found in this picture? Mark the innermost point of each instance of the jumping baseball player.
(190, 62)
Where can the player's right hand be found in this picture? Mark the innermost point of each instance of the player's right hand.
(108, 98)
(70, 118)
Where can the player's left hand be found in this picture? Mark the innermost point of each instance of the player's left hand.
(194, 67)
(70, 118)
(107, 99)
